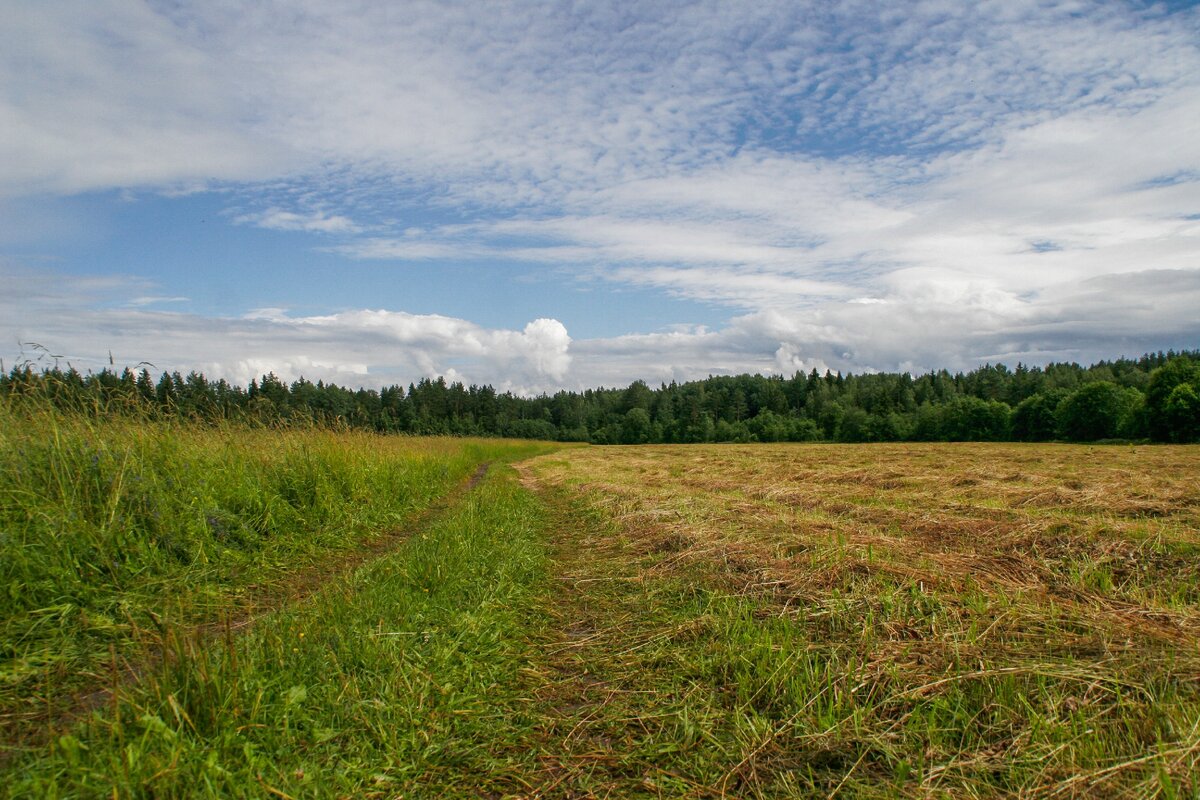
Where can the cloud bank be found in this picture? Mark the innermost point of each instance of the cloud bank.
(352, 348)
(923, 330)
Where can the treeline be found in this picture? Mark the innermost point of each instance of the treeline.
(1155, 397)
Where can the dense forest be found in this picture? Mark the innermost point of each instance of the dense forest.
(1155, 397)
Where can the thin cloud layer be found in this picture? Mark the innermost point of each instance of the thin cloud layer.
(861, 187)
(277, 219)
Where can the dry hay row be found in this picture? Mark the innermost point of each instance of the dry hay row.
(1015, 565)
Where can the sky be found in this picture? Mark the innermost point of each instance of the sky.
(577, 194)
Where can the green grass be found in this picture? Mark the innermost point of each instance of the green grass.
(701, 622)
(112, 532)
(400, 676)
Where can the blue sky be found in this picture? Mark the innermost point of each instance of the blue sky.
(573, 194)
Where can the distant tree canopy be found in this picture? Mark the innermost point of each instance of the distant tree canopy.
(1156, 396)
(1100, 410)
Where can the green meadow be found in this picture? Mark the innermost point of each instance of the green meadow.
(229, 611)
(115, 532)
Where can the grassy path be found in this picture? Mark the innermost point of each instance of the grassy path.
(510, 649)
(399, 679)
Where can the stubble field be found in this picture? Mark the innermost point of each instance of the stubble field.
(966, 620)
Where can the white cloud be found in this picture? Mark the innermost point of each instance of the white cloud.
(509, 104)
(955, 330)
(545, 344)
(314, 222)
(862, 186)
(365, 347)
(931, 326)
(96, 95)
(153, 300)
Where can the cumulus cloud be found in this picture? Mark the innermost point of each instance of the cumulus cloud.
(545, 345)
(363, 347)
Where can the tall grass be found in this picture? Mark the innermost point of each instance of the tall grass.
(114, 530)
(399, 678)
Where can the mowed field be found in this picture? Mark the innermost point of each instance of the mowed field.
(898, 620)
(318, 615)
